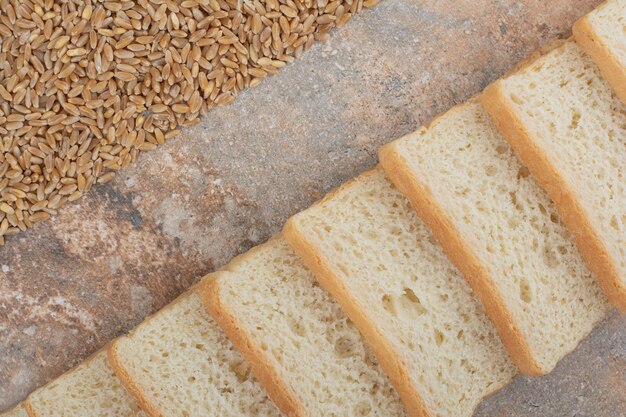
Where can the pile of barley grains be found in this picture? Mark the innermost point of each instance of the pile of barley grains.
(85, 85)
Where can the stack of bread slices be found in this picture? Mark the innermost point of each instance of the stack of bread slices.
(485, 244)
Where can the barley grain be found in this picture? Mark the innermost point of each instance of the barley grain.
(106, 177)
(39, 216)
(85, 85)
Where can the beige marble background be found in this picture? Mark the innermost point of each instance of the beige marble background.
(70, 285)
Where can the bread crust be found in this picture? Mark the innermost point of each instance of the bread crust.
(330, 280)
(15, 408)
(610, 66)
(116, 362)
(29, 409)
(276, 387)
(575, 217)
(462, 256)
(127, 381)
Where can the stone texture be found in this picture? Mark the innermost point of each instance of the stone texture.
(70, 285)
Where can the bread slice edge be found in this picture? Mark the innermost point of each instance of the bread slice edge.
(17, 408)
(117, 363)
(127, 381)
(610, 67)
(29, 409)
(574, 216)
(28, 406)
(389, 359)
(276, 387)
(455, 248)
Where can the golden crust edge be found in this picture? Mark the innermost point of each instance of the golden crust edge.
(276, 387)
(115, 360)
(127, 381)
(385, 354)
(30, 410)
(610, 67)
(27, 403)
(14, 408)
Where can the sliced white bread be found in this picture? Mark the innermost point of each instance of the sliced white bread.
(369, 249)
(178, 363)
(90, 389)
(569, 128)
(602, 34)
(17, 411)
(502, 231)
(307, 354)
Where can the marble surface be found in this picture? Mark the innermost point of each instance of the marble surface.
(70, 285)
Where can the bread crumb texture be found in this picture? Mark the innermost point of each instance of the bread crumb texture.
(91, 389)
(183, 365)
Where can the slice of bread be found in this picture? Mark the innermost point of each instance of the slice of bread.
(569, 128)
(17, 411)
(307, 354)
(502, 231)
(602, 34)
(369, 249)
(90, 389)
(178, 363)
